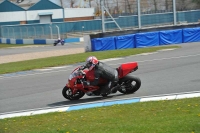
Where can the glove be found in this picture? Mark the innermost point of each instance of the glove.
(82, 67)
(86, 83)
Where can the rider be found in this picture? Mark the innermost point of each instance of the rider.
(59, 40)
(101, 70)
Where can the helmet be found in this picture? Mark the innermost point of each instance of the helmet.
(91, 62)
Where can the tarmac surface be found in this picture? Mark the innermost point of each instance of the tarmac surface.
(16, 54)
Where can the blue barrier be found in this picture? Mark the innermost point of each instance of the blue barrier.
(19, 41)
(124, 42)
(171, 37)
(148, 39)
(191, 35)
(70, 40)
(39, 41)
(8, 41)
(101, 44)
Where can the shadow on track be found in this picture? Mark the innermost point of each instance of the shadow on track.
(83, 101)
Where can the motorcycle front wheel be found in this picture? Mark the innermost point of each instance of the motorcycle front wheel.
(67, 93)
(129, 84)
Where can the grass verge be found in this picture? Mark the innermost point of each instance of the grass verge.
(13, 45)
(173, 116)
(74, 58)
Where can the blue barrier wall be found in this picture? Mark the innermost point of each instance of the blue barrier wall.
(102, 44)
(8, 41)
(19, 41)
(39, 41)
(191, 35)
(147, 39)
(171, 37)
(70, 40)
(123, 42)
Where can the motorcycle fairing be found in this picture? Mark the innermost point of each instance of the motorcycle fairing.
(127, 68)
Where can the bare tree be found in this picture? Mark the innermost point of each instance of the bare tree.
(61, 3)
(72, 3)
(166, 5)
(155, 5)
(90, 3)
(182, 5)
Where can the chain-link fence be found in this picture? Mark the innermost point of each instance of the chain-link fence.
(31, 31)
(128, 14)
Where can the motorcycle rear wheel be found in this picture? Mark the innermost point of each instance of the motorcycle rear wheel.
(67, 93)
(127, 86)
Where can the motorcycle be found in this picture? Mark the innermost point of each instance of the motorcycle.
(62, 42)
(127, 84)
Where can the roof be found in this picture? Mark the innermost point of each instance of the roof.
(48, 5)
(27, 3)
(7, 6)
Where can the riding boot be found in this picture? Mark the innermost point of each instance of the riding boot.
(105, 90)
(115, 89)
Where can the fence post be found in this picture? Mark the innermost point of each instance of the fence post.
(82, 29)
(50, 32)
(34, 31)
(58, 31)
(42, 30)
(26, 32)
(1, 34)
(8, 32)
(139, 14)
(174, 12)
(102, 16)
(3, 30)
(13, 33)
(21, 33)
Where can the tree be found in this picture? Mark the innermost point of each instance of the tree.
(166, 5)
(90, 3)
(196, 1)
(61, 3)
(182, 5)
(72, 4)
(155, 5)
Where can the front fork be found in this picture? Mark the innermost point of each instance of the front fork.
(74, 90)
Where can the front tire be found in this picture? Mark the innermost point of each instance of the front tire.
(67, 93)
(129, 84)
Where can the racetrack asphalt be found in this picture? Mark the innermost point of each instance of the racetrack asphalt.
(14, 54)
(162, 72)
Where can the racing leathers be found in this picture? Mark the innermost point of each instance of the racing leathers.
(102, 70)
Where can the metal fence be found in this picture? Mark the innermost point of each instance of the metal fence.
(127, 14)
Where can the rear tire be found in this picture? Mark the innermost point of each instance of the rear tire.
(67, 93)
(128, 86)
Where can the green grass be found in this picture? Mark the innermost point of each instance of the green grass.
(74, 58)
(13, 45)
(174, 116)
